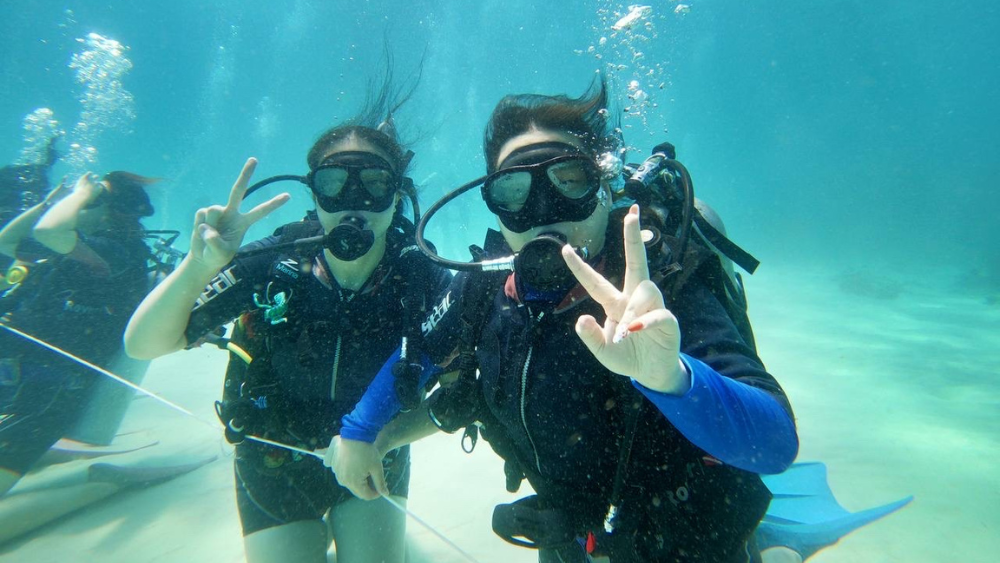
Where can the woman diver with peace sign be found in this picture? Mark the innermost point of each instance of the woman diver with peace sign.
(318, 321)
(641, 416)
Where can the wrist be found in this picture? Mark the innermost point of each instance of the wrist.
(196, 270)
(381, 447)
(86, 190)
(676, 382)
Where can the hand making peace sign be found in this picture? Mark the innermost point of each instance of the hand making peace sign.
(219, 231)
(640, 337)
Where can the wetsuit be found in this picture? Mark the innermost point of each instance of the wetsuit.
(310, 368)
(79, 302)
(559, 417)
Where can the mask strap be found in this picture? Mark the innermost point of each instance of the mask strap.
(405, 161)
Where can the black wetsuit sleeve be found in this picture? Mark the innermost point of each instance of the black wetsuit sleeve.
(96, 256)
(30, 250)
(442, 327)
(230, 293)
(443, 278)
(115, 254)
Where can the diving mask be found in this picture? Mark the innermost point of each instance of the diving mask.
(354, 181)
(543, 184)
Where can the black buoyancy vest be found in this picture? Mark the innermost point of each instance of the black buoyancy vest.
(310, 333)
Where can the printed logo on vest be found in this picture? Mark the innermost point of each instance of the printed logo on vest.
(436, 315)
(219, 284)
(289, 267)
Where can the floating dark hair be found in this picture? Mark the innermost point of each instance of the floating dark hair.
(128, 203)
(586, 117)
(374, 122)
(128, 195)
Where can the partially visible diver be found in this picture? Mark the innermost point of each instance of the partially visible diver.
(317, 322)
(612, 371)
(81, 268)
(23, 186)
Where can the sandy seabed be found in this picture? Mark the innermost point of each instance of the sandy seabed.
(898, 396)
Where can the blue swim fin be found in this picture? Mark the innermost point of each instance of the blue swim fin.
(805, 516)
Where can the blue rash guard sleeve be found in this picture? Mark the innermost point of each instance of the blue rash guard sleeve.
(380, 403)
(740, 425)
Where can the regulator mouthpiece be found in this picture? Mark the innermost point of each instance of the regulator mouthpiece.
(540, 263)
(349, 240)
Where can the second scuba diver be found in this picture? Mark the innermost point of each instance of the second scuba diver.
(622, 389)
(81, 268)
(318, 324)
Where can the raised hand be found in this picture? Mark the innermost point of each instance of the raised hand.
(640, 337)
(219, 231)
(88, 186)
(57, 193)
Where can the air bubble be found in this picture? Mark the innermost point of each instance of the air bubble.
(105, 103)
(40, 127)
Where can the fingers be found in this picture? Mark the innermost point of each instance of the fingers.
(199, 217)
(369, 484)
(591, 334)
(358, 483)
(58, 192)
(264, 209)
(363, 490)
(360, 474)
(596, 285)
(83, 180)
(657, 319)
(377, 479)
(646, 297)
(240, 187)
(213, 214)
(206, 222)
(330, 455)
(88, 186)
(636, 268)
(208, 234)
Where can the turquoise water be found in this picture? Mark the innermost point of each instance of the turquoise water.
(850, 145)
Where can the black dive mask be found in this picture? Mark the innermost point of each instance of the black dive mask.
(347, 181)
(354, 181)
(543, 184)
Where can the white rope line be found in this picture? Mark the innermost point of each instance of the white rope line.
(215, 425)
(432, 530)
(103, 371)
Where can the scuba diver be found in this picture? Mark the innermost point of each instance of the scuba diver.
(81, 268)
(321, 304)
(676, 461)
(24, 185)
(652, 434)
(611, 372)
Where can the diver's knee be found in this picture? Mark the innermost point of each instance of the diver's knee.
(780, 554)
